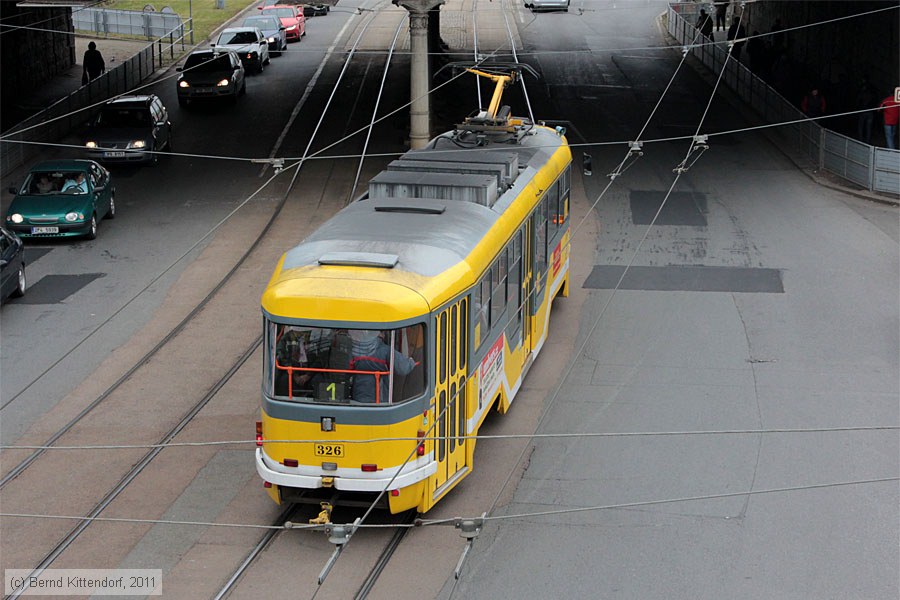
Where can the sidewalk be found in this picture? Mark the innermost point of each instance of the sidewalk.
(114, 51)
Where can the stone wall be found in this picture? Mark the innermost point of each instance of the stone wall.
(31, 57)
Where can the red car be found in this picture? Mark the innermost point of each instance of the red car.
(291, 17)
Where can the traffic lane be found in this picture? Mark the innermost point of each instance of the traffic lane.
(687, 359)
(162, 212)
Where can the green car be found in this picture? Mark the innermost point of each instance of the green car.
(62, 198)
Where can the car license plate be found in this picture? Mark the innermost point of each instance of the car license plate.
(113, 154)
(335, 450)
(39, 230)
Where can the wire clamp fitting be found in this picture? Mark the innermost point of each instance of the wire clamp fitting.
(700, 143)
(469, 528)
(276, 163)
(635, 148)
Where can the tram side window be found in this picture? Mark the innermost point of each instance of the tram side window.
(483, 308)
(498, 291)
(540, 235)
(564, 196)
(515, 289)
(553, 202)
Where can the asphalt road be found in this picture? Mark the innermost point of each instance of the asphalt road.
(758, 300)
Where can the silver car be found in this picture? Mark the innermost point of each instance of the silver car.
(249, 43)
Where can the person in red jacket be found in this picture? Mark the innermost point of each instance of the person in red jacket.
(891, 115)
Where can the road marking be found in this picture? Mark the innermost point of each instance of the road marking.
(306, 93)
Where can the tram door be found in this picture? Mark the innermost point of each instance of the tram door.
(451, 328)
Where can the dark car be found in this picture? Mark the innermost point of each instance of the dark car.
(12, 265)
(211, 74)
(315, 10)
(130, 129)
(272, 29)
(62, 198)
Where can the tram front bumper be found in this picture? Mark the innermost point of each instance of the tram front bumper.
(341, 481)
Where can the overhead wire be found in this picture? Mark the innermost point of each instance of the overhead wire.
(454, 520)
(662, 433)
(467, 437)
(494, 55)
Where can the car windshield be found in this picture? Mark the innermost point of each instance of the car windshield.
(54, 182)
(314, 364)
(264, 23)
(281, 12)
(237, 37)
(123, 117)
(46, 182)
(207, 63)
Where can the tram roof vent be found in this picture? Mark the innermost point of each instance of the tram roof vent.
(359, 259)
(423, 208)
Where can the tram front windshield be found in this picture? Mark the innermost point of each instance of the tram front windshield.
(358, 366)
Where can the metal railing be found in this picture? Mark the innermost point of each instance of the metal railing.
(73, 111)
(103, 21)
(874, 168)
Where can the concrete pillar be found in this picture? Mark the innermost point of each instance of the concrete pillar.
(419, 122)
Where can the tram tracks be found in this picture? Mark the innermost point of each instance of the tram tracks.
(373, 539)
(117, 394)
(141, 465)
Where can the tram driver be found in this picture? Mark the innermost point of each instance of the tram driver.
(371, 353)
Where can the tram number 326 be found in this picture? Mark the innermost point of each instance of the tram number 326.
(336, 450)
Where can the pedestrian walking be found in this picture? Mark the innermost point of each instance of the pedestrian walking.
(705, 24)
(777, 34)
(736, 32)
(813, 104)
(721, 10)
(759, 55)
(865, 101)
(891, 115)
(93, 64)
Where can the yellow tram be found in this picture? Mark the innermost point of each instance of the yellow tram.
(412, 312)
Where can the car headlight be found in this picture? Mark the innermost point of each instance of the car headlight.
(91, 144)
(16, 218)
(223, 83)
(74, 216)
(137, 144)
(272, 40)
(183, 84)
(294, 28)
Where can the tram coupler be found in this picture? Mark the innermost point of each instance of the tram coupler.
(324, 517)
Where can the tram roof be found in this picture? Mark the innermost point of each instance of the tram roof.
(427, 236)
(426, 243)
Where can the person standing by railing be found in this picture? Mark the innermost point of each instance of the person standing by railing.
(93, 64)
(891, 115)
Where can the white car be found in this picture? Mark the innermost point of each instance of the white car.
(249, 43)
